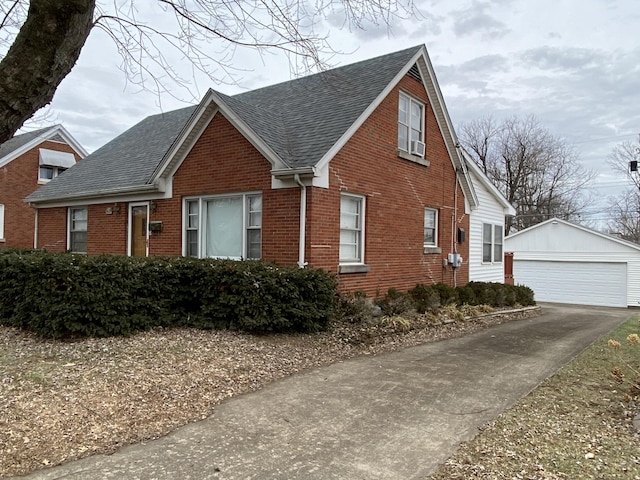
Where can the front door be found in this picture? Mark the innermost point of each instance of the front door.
(139, 231)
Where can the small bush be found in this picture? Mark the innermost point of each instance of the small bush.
(448, 295)
(353, 308)
(425, 298)
(395, 302)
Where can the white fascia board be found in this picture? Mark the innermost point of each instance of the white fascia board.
(436, 100)
(58, 129)
(578, 227)
(127, 194)
(68, 138)
(210, 104)
(327, 157)
(477, 171)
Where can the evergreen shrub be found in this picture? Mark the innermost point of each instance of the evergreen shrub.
(67, 295)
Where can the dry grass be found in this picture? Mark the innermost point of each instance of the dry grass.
(61, 401)
(576, 425)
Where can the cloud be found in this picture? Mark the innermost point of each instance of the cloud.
(476, 20)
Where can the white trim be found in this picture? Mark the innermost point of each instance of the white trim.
(423, 121)
(202, 199)
(484, 180)
(129, 225)
(493, 244)
(52, 132)
(579, 227)
(69, 209)
(436, 227)
(363, 202)
(209, 106)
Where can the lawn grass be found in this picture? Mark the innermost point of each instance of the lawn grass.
(575, 425)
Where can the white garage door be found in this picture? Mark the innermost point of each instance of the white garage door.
(583, 283)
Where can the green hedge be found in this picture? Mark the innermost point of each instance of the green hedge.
(66, 295)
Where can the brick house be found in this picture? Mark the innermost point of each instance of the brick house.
(355, 170)
(27, 162)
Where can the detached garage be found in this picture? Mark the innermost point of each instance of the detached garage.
(567, 263)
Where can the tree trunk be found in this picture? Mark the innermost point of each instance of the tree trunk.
(43, 53)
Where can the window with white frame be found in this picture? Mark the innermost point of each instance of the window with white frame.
(497, 243)
(46, 172)
(492, 243)
(78, 230)
(228, 226)
(351, 229)
(410, 122)
(430, 227)
(1, 221)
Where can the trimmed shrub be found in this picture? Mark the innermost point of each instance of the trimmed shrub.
(66, 295)
(394, 302)
(448, 295)
(425, 298)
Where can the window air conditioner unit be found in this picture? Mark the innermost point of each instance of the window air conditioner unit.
(417, 148)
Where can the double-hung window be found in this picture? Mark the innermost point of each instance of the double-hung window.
(351, 229)
(492, 243)
(430, 227)
(410, 124)
(78, 230)
(224, 227)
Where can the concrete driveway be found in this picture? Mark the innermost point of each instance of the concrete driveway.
(394, 416)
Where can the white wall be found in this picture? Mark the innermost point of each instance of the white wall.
(488, 211)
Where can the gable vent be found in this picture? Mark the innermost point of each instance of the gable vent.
(414, 72)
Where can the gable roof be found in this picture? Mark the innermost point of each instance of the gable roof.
(19, 144)
(582, 228)
(488, 184)
(297, 125)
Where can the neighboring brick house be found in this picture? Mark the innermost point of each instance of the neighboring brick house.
(28, 161)
(355, 170)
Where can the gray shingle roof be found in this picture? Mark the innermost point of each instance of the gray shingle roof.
(19, 141)
(126, 161)
(300, 120)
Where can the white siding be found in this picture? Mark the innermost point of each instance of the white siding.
(488, 211)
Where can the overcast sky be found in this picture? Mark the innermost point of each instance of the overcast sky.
(575, 64)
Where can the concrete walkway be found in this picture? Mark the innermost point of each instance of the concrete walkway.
(394, 416)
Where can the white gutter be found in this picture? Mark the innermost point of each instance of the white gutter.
(303, 220)
(98, 194)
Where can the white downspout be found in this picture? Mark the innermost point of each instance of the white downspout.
(303, 220)
(35, 231)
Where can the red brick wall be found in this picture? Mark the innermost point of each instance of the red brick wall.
(223, 161)
(52, 229)
(18, 179)
(396, 192)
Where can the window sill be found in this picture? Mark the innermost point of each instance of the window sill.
(434, 249)
(354, 268)
(42, 182)
(2, 240)
(413, 158)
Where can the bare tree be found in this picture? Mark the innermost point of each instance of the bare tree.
(537, 172)
(624, 218)
(43, 40)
